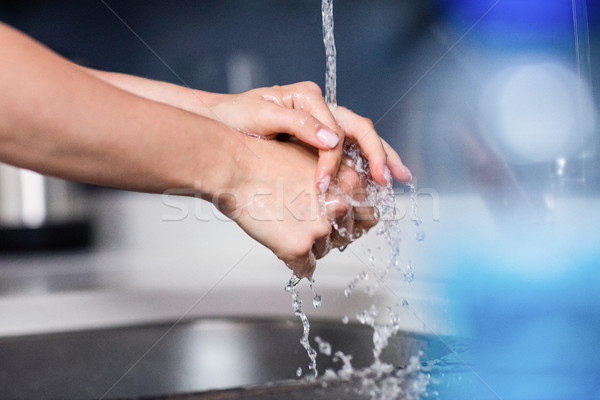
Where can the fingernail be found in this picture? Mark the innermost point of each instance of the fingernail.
(328, 137)
(387, 174)
(324, 184)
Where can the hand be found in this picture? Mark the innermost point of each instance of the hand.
(134, 134)
(300, 110)
(272, 196)
(383, 160)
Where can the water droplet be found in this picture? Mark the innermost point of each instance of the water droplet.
(299, 372)
(343, 247)
(420, 235)
(345, 319)
(292, 283)
(317, 301)
(316, 297)
(324, 347)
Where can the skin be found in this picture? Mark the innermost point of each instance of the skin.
(298, 109)
(131, 133)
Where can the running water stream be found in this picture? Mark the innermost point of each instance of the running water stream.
(380, 381)
(299, 312)
(330, 98)
(330, 52)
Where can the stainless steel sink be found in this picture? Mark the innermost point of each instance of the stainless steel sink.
(200, 358)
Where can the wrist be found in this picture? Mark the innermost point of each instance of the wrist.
(211, 175)
(206, 103)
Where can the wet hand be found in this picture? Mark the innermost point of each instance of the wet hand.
(300, 110)
(272, 196)
(384, 162)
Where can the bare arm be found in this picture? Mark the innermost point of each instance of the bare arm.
(59, 120)
(298, 109)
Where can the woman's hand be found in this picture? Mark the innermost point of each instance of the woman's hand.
(298, 109)
(272, 196)
(59, 120)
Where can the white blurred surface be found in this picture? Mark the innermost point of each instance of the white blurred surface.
(147, 269)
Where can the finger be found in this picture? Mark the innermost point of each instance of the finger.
(327, 167)
(307, 96)
(274, 119)
(362, 131)
(300, 256)
(394, 163)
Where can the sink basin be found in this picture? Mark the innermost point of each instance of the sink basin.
(208, 358)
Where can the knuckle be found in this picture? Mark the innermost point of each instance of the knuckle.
(310, 86)
(368, 125)
(366, 121)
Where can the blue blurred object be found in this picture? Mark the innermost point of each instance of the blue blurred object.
(507, 22)
(532, 306)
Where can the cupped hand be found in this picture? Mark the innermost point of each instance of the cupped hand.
(273, 198)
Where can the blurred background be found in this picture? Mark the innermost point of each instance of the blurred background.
(492, 105)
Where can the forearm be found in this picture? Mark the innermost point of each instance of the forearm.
(59, 120)
(192, 100)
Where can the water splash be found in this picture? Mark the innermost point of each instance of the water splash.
(363, 276)
(380, 381)
(378, 198)
(304, 341)
(347, 371)
(324, 347)
(408, 274)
